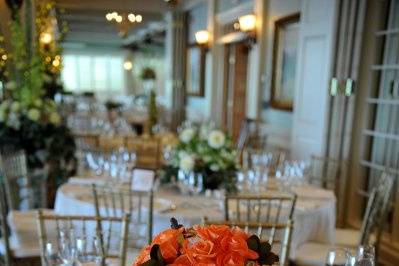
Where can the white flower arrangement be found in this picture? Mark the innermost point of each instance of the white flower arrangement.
(39, 111)
(204, 148)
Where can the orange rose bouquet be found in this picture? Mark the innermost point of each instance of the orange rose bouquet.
(213, 245)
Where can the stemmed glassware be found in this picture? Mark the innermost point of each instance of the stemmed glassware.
(67, 247)
(365, 255)
(339, 257)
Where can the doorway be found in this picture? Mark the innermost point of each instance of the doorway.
(235, 87)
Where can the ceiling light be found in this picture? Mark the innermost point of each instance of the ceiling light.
(131, 17)
(119, 19)
(127, 65)
(109, 16)
(123, 21)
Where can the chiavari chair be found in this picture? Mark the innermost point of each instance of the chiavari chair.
(116, 201)
(278, 235)
(147, 150)
(112, 233)
(13, 253)
(312, 253)
(259, 208)
(325, 172)
(23, 191)
(111, 143)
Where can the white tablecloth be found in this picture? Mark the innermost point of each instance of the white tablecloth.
(314, 217)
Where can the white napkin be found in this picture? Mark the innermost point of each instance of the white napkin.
(143, 179)
(86, 181)
(313, 192)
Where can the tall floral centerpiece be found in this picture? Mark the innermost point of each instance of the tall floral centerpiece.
(29, 119)
(209, 152)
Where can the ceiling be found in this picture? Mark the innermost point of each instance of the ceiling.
(87, 23)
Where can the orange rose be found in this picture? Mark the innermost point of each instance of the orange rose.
(213, 233)
(168, 243)
(143, 257)
(230, 259)
(182, 260)
(203, 251)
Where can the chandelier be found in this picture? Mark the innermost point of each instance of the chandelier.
(124, 21)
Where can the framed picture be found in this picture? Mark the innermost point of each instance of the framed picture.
(195, 70)
(285, 46)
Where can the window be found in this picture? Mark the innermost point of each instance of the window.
(98, 73)
(380, 134)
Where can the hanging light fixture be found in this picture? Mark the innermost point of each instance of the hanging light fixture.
(124, 22)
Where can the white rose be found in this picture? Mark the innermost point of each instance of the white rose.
(15, 106)
(13, 121)
(34, 114)
(214, 167)
(38, 103)
(55, 118)
(216, 139)
(187, 135)
(187, 163)
(11, 85)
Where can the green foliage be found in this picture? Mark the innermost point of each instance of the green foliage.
(152, 111)
(148, 74)
(28, 73)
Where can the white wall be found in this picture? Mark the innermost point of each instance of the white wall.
(278, 122)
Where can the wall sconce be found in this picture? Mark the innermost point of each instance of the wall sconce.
(247, 23)
(202, 37)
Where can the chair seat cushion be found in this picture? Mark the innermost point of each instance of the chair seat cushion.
(315, 254)
(350, 237)
(311, 254)
(20, 251)
(347, 237)
(23, 227)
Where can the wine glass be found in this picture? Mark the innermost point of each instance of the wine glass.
(338, 257)
(88, 250)
(51, 255)
(365, 255)
(67, 248)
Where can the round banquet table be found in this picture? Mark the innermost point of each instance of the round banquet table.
(314, 216)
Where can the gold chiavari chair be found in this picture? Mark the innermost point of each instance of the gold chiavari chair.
(326, 172)
(259, 208)
(86, 141)
(112, 233)
(312, 253)
(278, 235)
(11, 253)
(116, 201)
(111, 143)
(23, 191)
(147, 150)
